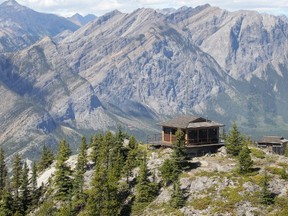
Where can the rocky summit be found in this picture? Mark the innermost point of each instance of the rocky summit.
(59, 79)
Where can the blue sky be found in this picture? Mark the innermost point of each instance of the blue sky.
(99, 7)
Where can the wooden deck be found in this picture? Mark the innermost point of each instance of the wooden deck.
(168, 145)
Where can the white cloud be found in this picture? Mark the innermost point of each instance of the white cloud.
(99, 7)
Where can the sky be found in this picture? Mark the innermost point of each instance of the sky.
(100, 7)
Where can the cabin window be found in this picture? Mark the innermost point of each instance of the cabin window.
(166, 130)
(192, 136)
(213, 135)
(173, 131)
(203, 135)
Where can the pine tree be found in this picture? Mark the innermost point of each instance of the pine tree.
(6, 202)
(177, 198)
(3, 171)
(178, 155)
(34, 191)
(131, 160)
(244, 160)
(78, 182)
(168, 172)
(267, 197)
(99, 183)
(132, 143)
(234, 141)
(16, 183)
(25, 192)
(46, 160)
(63, 182)
(145, 190)
(95, 145)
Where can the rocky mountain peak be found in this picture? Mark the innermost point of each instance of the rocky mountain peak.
(12, 4)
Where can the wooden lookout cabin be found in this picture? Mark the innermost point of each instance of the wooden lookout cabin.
(202, 135)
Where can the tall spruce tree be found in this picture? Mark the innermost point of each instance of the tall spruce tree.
(62, 179)
(79, 197)
(34, 190)
(95, 145)
(178, 155)
(131, 160)
(25, 192)
(3, 171)
(234, 141)
(99, 195)
(46, 159)
(16, 183)
(6, 203)
(145, 190)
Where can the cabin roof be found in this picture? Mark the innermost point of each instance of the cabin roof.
(189, 121)
(273, 139)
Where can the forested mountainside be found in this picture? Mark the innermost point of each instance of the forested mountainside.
(116, 175)
(137, 69)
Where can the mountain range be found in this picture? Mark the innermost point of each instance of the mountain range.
(63, 77)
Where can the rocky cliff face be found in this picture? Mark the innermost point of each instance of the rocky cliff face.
(134, 69)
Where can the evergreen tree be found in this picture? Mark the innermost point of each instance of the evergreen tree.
(177, 198)
(6, 202)
(3, 171)
(34, 191)
(96, 143)
(168, 172)
(25, 193)
(178, 155)
(245, 161)
(132, 143)
(78, 182)
(46, 160)
(234, 141)
(267, 197)
(99, 195)
(63, 182)
(131, 160)
(80, 168)
(16, 183)
(145, 191)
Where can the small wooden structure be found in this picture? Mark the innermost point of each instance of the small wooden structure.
(275, 144)
(197, 130)
(201, 135)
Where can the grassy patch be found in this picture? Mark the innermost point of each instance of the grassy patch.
(257, 153)
(201, 203)
(163, 209)
(283, 164)
(274, 170)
